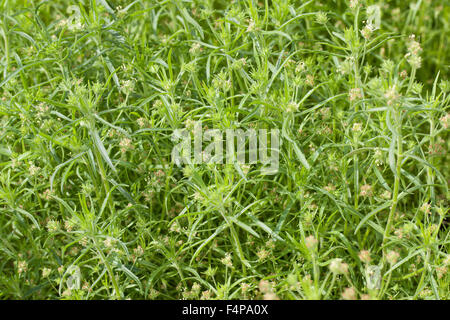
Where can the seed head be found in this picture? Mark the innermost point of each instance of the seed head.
(391, 95)
(33, 169)
(330, 188)
(338, 267)
(22, 266)
(349, 294)
(292, 106)
(52, 226)
(364, 256)
(206, 295)
(441, 271)
(265, 286)
(366, 190)
(353, 4)
(270, 296)
(125, 145)
(367, 31)
(141, 122)
(321, 18)
(357, 127)
(46, 272)
(445, 121)
(195, 49)
(414, 46)
(311, 242)
(355, 94)
(67, 293)
(244, 287)
(392, 257)
(301, 66)
(227, 260)
(426, 208)
(310, 80)
(109, 242)
(414, 50)
(127, 86)
(447, 260)
(262, 254)
(251, 26)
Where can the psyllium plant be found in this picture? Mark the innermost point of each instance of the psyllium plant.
(97, 96)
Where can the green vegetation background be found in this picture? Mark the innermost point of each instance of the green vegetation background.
(91, 206)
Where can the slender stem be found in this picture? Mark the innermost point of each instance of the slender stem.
(411, 80)
(331, 286)
(384, 286)
(105, 180)
(316, 274)
(424, 273)
(396, 182)
(430, 174)
(108, 267)
(5, 38)
(356, 180)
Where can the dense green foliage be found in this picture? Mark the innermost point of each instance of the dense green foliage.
(92, 207)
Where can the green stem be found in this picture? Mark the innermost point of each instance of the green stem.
(111, 274)
(105, 181)
(5, 38)
(385, 285)
(411, 80)
(430, 175)
(316, 275)
(396, 183)
(424, 273)
(330, 288)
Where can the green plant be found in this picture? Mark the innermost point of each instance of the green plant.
(93, 207)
